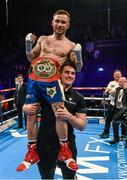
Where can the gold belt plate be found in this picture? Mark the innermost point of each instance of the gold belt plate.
(45, 68)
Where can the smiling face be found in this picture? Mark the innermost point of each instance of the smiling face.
(68, 76)
(117, 75)
(60, 24)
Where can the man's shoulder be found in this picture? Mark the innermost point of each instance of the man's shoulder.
(71, 43)
(118, 88)
(76, 93)
(42, 37)
(112, 82)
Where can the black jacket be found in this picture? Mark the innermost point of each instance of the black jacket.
(119, 113)
(124, 98)
(20, 95)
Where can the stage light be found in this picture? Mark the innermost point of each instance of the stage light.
(100, 69)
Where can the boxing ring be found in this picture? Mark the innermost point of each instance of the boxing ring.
(5, 103)
(103, 109)
(97, 159)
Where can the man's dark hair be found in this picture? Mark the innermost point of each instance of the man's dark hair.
(68, 63)
(19, 75)
(61, 11)
(117, 70)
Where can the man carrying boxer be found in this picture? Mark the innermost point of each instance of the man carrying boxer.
(46, 58)
(74, 113)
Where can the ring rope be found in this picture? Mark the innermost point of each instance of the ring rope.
(90, 88)
(77, 88)
(95, 98)
(7, 112)
(6, 90)
(7, 100)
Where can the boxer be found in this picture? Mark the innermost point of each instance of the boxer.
(48, 55)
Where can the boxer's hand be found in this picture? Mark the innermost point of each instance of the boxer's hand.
(29, 41)
(73, 57)
(31, 38)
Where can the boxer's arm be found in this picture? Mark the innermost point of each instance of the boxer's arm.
(32, 53)
(76, 56)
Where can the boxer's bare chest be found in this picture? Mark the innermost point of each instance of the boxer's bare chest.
(56, 47)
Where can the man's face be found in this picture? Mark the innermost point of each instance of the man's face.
(122, 81)
(20, 79)
(60, 24)
(117, 75)
(68, 76)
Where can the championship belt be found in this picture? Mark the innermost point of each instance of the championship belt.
(45, 69)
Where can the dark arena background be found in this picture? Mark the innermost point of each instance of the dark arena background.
(100, 26)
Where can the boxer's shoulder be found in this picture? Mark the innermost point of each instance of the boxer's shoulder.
(71, 43)
(41, 38)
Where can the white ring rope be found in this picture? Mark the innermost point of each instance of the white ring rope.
(95, 98)
(7, 100)
(103, 109)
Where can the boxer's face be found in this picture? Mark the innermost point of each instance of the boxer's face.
(60, 24)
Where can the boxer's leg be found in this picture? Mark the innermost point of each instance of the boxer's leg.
(31, 156)
(30, 108)
(65, 153)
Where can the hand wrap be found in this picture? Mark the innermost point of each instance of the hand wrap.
(77, 50)
(28, 43)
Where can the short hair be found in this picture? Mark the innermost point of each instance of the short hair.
(68, 63)
(117, 71)
(61, 11)
(19, 75)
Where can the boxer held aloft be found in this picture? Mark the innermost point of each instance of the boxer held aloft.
(77, 50)
(28, 43)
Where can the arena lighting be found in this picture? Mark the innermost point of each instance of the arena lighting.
(100, 69)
